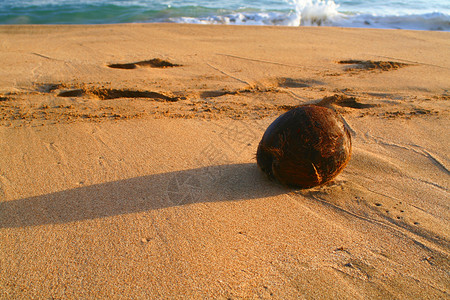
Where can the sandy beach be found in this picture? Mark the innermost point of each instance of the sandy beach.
(128, 171)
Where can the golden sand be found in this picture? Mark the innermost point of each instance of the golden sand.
(127, 163)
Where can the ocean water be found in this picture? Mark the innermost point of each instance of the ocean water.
(399, 14)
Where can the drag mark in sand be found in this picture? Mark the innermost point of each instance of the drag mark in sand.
(259, 60)
(420, 150)
(436, 162)
(231, 76)
(47, 57)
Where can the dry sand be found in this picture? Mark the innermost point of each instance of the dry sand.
(123, 176)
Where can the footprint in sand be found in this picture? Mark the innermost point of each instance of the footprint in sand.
(368, 65)
(152, 63)
(107, 94)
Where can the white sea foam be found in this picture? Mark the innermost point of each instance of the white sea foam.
(318, 12)
(325, 13)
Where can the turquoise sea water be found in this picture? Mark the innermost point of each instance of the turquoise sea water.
(401, 14)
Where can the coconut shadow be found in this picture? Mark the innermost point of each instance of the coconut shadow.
(208, 184)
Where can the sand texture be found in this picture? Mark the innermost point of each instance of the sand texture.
(128, 171)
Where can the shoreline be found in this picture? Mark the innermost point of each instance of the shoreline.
(217, 25)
